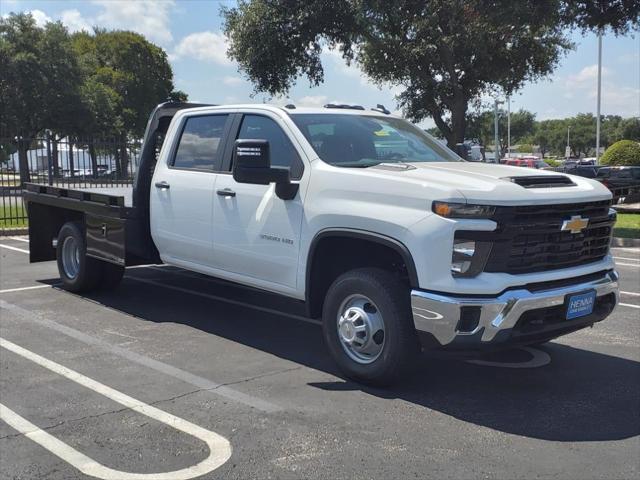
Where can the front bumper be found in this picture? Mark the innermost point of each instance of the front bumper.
(524, 315)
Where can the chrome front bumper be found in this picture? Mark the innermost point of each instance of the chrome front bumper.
(439, 314)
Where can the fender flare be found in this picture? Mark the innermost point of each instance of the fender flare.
(378, 238)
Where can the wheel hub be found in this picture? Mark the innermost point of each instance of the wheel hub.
(71, 257)
(360, 329)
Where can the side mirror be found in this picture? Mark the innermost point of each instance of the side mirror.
(252, 164)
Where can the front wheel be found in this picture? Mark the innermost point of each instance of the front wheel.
(367, 326)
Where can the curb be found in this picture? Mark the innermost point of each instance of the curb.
(7, 232)
(622, 209)
(625, 242)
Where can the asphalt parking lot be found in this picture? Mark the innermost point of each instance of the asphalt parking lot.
(173, 375)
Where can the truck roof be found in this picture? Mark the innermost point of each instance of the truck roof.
(297, 110)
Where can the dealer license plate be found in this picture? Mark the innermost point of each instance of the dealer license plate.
(581, 304)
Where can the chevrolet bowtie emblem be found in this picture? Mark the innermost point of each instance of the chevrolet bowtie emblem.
(575, 225)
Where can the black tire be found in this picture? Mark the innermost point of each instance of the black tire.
(111, 276)
(391, 297)
(88, 271)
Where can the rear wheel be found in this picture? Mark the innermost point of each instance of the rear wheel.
(78, 272)
(367, 326)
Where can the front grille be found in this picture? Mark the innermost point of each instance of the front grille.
(528, 239)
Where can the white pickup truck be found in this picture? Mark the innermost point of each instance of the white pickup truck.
(394, 241)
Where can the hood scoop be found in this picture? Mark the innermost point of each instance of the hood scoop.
(395, 167)
(542, 181)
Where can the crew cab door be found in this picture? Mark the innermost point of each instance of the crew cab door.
(257, 234)
(182, 190)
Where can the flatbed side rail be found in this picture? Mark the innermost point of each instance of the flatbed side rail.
(78, 200)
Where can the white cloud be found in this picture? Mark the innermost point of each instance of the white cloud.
(40, 17)
(147, 17)
(232, 81)
(586, 76)
(312, 101)
(206, 46)
(73, 20)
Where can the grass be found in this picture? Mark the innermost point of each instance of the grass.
(627, 226)
(10, 216)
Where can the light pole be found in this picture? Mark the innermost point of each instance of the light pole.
(567, 151)
(599, 96)
(495, 128)
(508, 126)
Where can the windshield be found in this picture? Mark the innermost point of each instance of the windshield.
(364, 141)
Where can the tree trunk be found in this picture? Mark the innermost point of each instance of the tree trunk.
(458, 123)
(71, 160)
(23, 162)
(124, 158)
(54, 156)
(116, 156)
(94, 159)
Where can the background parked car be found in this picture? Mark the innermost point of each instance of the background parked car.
(586, 171)
(529, 162)
(624, 182)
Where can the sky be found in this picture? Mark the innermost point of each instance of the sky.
(190, 32)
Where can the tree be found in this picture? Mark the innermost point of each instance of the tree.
(40, 81)
(481, 127)
(629, 129)
(550, 136)
(624, 152)
(443, 53)
(118, 92)
(583, 134)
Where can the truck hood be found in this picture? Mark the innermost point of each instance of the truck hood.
(492, 184)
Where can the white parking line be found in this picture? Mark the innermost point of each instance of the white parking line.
(20, 239)
(219, 447)
(627, 249)
(630, 305)
(631, 293)
(9, 290)
(625, 258)
(627, 264)
(9, 247)
(166, 369)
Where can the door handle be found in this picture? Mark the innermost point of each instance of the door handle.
(227, 192)
(162, 185)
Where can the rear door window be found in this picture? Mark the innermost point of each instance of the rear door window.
(199, 144)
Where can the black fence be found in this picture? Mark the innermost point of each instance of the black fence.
(66, 162)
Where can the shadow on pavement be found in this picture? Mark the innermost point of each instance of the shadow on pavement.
(580, 396)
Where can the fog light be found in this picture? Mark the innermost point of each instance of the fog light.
(463, 251)
(469, 257)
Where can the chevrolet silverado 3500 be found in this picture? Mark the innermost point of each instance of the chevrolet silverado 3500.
(394, 241)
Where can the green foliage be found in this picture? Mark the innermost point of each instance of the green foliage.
(40, 77)
(105, 83)
(444, 54)
(480, 127)
(525, 148)
(118, 93)
(623, 152)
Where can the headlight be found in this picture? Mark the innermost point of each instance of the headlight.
(463, 210)
(469, 257)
